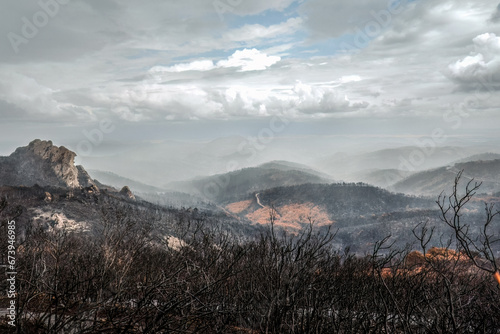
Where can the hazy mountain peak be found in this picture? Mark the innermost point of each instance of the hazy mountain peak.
(43, 163)
(283, 163)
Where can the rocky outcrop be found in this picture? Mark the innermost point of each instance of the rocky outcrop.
(44, 164)
(126, 192)
(84, 178)
(48, 197)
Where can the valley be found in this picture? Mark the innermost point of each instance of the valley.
(292, 195)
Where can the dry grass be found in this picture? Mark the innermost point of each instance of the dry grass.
(292, 216)
(239, 207)
(261, 216)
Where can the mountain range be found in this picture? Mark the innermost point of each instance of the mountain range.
(344, 165)
(235, 184)
(42, 188)
(42, 179)
(434, 181)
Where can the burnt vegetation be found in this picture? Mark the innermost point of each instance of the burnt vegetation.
(146, 269)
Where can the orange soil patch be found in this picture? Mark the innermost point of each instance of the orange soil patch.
(238, 207)
(291, 216)
(303, 212)
(261, 216)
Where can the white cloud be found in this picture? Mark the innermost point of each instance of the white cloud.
(249, 60)
(313, 99)
(252, 32)
(107, 46)
(350, 78)
(245, 60)
(27, 94)
(482, 66)
(199, 65)
(488, 43)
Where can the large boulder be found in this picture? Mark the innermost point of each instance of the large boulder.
(44, 164)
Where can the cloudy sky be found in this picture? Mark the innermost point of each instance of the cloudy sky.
(172, 69)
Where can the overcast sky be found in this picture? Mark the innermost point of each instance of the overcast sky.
(185, 69)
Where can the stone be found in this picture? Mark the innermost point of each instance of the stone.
(43, 163)
(127, 193)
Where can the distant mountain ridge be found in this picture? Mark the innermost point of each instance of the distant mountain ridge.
(287, 165)
(432, 182)
(228, 186)
(478, 157)
(119, 181)
(343, 165)
(43, 179)
(383, 178)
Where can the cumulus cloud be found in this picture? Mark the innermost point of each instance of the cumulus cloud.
(481, 69)
(249, 60)
(312, 99)
(156, 100)
(245, 60)
(108, 46)
(27, 94)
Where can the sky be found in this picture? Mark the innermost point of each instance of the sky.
(128, 72)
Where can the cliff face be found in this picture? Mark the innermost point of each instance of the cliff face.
(44, 164)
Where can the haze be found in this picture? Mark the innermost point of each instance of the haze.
(160, 91)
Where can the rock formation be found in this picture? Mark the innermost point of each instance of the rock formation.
(44, 164)
(126, 192)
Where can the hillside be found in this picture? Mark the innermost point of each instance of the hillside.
(344, 165)
(361, 213)
(481, 156)
(383, 178)
(87, 211)
(342, 200)
(287, 166)
(337, 201)
(43, 180)
(119, 182)
(43, 188)
(433, 182)
(226, 187)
